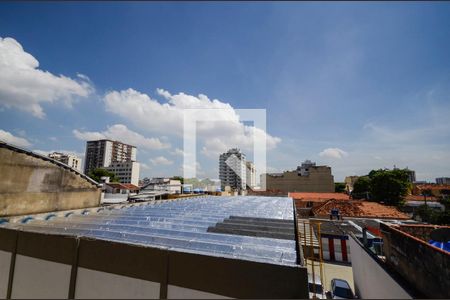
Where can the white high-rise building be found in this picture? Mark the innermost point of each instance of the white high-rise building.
(71, 160)
(127, 172)
(250, 174)
(232, 170)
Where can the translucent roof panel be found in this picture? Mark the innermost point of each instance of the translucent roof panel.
(182, 224)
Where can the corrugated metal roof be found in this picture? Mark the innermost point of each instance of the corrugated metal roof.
(182, 225)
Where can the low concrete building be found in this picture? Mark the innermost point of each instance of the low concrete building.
(32, 183)
(306, 178)
(161, 184)
(120, 188)
(127, 172)
(71, 160)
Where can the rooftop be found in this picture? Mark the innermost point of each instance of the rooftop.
(318, 196)
(182, 225)
(433, 186)
(123, 186)
(355, 208)
(420, 198)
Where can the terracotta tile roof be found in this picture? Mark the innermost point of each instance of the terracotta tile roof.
(130, 186)
(354, 208)
(318, 196)
(123, 186)
(420, 198)
(433, 186)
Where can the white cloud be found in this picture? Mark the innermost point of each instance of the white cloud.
(333, 153)
(25, 87)
(121, 133)
(144, 166)
(177, 152)
(160, 160)
(88, 135)
(14, 140)
(167, 118)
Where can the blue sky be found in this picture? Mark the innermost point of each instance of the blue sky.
(356, 86)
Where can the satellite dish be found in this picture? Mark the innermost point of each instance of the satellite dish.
(441, 235)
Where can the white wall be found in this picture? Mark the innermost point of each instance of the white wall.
(93, 284)
(176, 292)
(5, 262)
(38, 278)
(371, 280)
(337, 249)
(135, 171)
(108, 153)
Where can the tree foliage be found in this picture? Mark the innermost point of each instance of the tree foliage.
(389, 186)
(432, 216)
(361, 187)
(339, 187)
(98, 173)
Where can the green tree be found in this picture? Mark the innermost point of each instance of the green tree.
(98, 173)
(433, 216)
(361, 187)
(425, 213)
(339, 187)
(389, 186)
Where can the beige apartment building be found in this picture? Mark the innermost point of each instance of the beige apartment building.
(306, 178)
(69, 159)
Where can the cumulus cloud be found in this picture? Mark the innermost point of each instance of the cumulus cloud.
(167, 118)
(144, 166)
(334, 153)
(14, 140)
(26, 87)
(160, 160)
(121, 133)
(88, 135)
(177, 152)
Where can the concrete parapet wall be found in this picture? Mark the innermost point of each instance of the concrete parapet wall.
(31, 184)
(425, 267)
(372, 280)
(38, 265)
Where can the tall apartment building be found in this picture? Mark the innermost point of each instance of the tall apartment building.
(71, 160)
(306, 178)
(232, 170)
(250, 174)
(443, 180)
(115, 156)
